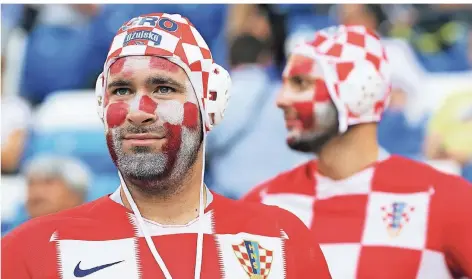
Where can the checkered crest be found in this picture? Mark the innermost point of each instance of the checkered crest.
(356, 71)
(396, 216)
(255, 259)
(173, 37)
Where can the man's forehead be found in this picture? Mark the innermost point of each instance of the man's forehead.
(131, 64)
(298, 65)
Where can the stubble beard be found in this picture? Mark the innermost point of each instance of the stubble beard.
(151, 172)
(314, 141)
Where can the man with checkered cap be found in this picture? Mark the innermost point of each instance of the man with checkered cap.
(375, 215)
(158, 96)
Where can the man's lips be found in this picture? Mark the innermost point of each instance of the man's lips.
(142, 139)
(145, 136)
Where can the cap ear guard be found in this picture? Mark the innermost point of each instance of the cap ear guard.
(219, 84)
(100, 95)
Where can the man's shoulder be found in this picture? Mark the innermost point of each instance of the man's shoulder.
(259, 218)
(297, 180)
(407, 175)
(44, 227)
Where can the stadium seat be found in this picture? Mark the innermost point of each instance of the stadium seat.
(399, 137)
(102, 29)
(67, 123)
(102, 185)
(308, 21)
(467, 172)
(209, 19)
(55, 60)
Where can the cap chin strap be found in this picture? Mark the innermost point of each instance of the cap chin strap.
(201, 227)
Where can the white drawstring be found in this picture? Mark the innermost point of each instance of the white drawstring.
(199, 254)
(142, 226)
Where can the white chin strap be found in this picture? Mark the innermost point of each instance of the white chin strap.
(147, 236)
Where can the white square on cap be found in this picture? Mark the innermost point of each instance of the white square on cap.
(193, 53)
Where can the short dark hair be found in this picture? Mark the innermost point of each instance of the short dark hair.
(246, 49)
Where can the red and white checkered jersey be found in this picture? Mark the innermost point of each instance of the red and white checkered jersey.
(101, 240)
(396, 219)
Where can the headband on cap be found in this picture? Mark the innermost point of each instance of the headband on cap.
(173, 37)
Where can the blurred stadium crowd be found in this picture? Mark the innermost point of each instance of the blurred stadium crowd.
(54, 154)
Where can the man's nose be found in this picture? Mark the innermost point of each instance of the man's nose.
(282, 101)
(139, 117)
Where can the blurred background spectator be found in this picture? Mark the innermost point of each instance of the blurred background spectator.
(53, 183)
(252, 140)
(52, 54)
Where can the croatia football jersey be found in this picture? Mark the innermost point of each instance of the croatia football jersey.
(102, 240)
(396, 219)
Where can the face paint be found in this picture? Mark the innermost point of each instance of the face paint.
(173, 115)
(307, 104)
(305, 114)
(118, 66)
(301, 67)
(163, 64)
(190, 115)
(116, 114)
(147, 105)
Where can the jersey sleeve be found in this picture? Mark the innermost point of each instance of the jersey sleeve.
(309, 258)
(13, 257)
(458, 229)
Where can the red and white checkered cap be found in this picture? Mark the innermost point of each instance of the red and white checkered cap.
(356, 71)
(173, 37)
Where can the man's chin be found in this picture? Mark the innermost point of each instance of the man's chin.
(143, 164)
(300, 145)
(308, 142)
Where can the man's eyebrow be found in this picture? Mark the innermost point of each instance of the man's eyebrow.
(158, 80)
(119, 83)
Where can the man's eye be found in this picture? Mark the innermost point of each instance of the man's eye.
(121, 91)
(298, 81)
(165, 90)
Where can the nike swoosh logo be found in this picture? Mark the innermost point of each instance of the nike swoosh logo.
(78, 272)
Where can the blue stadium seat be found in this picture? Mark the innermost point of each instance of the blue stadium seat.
(20, 217)
(295, 9)
(453, 60)
(467, 172)
(11, 14)
(102, 30)
(67, 123)
(209, 19)
(88, 146)
(308, 21)
(55, 59)
(102, 185)
(398, 137)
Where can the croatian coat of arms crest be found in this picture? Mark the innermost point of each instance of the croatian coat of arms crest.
(396, 216)
(255, 259)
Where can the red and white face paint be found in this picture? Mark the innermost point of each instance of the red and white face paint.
(150, 97)
(308, 109)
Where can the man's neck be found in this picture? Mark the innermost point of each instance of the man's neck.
(177, 209)
(349, 153)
